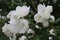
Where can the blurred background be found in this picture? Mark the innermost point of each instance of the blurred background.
(7, 5)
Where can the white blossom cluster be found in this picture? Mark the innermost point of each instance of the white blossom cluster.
(44, 14)
(18, 24)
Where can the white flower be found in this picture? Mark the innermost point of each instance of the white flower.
(52, 32)
(30, 31)
(23, 38)
(8, 29)
(40, 18)
(52, 18)
(42, 10)
(43, 15)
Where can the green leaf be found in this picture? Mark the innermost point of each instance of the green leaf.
(57, 22)
(3, 36)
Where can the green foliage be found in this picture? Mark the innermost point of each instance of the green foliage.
(57, 22)
(3, 37)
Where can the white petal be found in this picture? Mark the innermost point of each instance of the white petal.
(13, 22)
(45, 23)
(22, 11)
(23, 26)
(52, 18)
(38, 18)
(49, 9)
(46, 15)
(18, 8)
(10, 13)
(30, 31)
(41, 8)
(37, 26)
